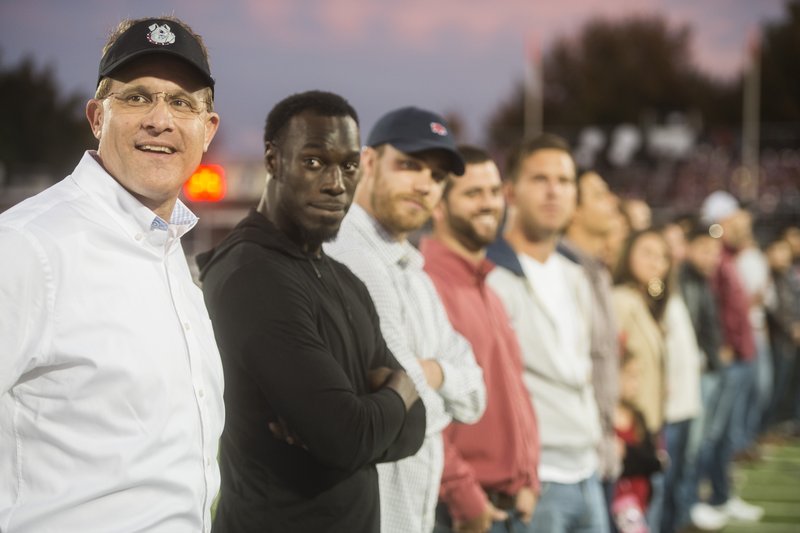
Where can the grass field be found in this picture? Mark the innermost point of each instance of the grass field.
(773, 483)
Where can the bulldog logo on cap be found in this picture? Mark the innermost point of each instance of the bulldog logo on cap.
(160, 34)
(438, 129)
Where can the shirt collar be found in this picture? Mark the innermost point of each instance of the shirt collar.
(122, 206)
(388, 249)
(447, 262)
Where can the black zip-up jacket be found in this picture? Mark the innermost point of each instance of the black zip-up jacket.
(297, 335)
(702, 308)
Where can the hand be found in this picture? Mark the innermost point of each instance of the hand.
(726, 355)
(433, 373)
(280, 430)
(481, 523)
(376, 378)
(525, 503)
(400, 383)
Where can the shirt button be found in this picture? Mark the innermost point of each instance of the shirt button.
(139, 236)
(208, 461)
(186, 326)
(201, 393)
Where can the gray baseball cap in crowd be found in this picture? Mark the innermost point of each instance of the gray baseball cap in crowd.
(412, 130)
(155, 36)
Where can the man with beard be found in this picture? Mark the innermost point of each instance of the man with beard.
(408, 157)
(489, 477)
(314, 399)
(548, 299)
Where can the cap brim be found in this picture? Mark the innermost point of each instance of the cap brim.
(456, 162)
(111, 68)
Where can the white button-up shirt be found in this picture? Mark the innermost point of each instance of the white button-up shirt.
(415, 326)
(110, 380)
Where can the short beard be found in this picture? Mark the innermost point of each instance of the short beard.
(466, 234)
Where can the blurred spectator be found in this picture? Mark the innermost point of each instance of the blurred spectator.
(408, 156)
(751, 263)
(683, 404)
(709, 429)
(548, 299)
(637, 213)
(615, 238)
(641, 459)
(720, 210)
(490, 478)
(583, 243)
(783, 318)
(640, 298)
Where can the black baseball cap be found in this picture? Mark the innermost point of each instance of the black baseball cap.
(155, 36)
(411, 130)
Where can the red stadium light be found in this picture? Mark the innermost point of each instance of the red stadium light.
(207, 184)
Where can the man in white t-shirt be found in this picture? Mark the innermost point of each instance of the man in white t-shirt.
(548, 299)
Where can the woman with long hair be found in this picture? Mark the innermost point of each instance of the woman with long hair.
(640, 296)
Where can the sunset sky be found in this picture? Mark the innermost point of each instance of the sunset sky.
(447, 55)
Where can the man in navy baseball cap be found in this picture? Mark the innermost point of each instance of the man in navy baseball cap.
(413, 130)
(409, 157)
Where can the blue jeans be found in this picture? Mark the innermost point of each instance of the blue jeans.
(720, 390)
(677, 476)
(755, 407)
(575, 507)
(745, 414)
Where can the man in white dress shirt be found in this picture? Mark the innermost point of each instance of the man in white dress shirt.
(408, 156)
(110, 380)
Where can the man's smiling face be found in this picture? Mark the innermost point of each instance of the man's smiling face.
(152, 152)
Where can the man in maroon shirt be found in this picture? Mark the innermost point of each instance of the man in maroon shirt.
(489, 481)
(721, 211)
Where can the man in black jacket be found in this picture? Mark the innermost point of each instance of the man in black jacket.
(314, 398)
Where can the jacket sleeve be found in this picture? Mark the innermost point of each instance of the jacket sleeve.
(412, 434)
(389, 307)
(26, 313)
(460, 489)
(263, 321)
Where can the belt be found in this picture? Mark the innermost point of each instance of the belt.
(501, 500)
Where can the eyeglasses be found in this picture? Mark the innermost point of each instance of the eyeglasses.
(138, 101)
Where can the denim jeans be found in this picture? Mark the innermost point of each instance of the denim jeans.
(575, 507)
(677, 477)
(720, 390)
(745, 409)
(763, 384)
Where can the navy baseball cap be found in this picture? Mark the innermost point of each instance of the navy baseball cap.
(155, 36)
(411, 130)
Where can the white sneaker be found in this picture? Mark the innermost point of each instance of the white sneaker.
(738, 509)
(707, 518)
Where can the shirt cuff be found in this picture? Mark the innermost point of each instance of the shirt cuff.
(466, 502)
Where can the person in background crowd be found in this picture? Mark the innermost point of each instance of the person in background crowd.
(637, 213)
(783, 319)
(683, 403)
(751, 263)
(490, 482)
(110, 381)
(720, 211)
(583, 243)
(314, 399)
(548, 299)
(640, 297)
(633, 490)
(707, 430)
(407, 159)
(614, 240)
(792, 236)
